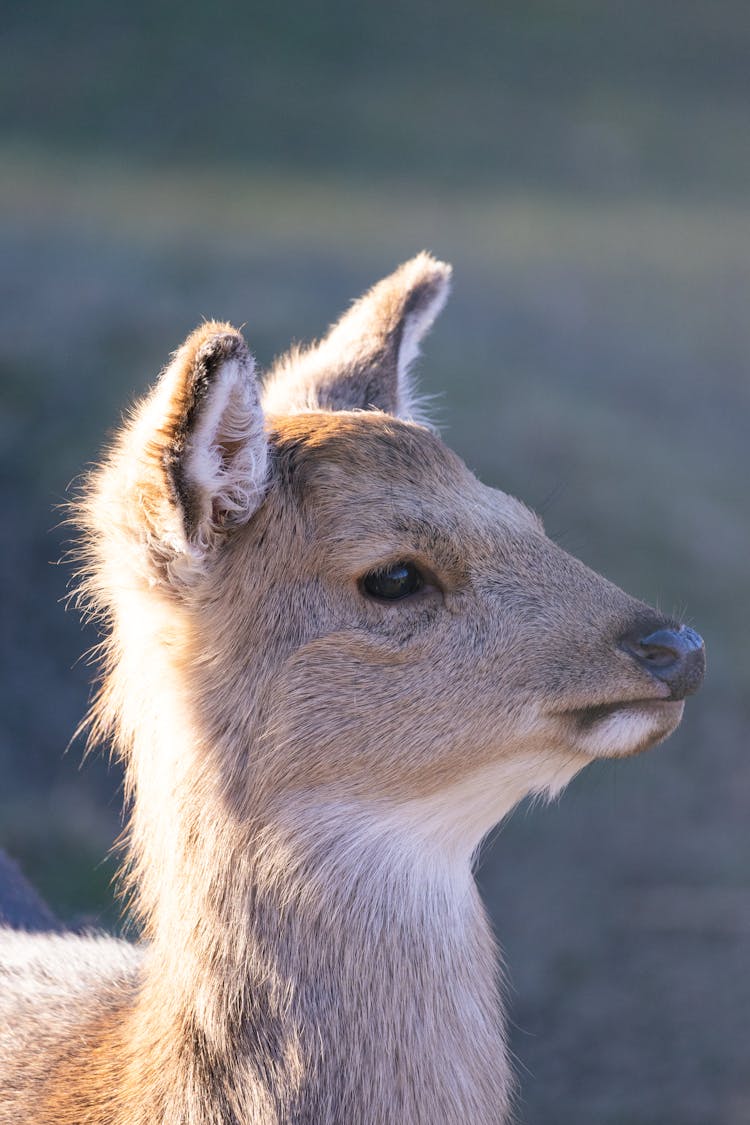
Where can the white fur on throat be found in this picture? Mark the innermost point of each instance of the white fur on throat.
(433, 839)
(456, 820)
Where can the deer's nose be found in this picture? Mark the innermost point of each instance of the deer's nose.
(677, 657)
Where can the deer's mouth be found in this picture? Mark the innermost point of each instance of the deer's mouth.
(587, 717)
(625, 726)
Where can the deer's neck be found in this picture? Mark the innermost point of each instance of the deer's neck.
(332, 974)
(312, 964)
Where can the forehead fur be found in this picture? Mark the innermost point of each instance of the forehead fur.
(367, 474)
(309, 446)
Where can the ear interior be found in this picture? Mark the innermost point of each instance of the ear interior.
(213, 446)
(427, 297)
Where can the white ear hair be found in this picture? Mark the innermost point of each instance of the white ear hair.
(226, 454)
(197, 448)
(365, 360)
(417, 323)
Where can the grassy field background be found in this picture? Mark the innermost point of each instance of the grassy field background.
(586, 169)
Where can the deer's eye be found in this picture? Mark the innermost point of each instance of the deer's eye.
(393, 582)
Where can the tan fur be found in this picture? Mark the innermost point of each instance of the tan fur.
(311, 770)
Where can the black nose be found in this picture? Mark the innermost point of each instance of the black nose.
(677, 657)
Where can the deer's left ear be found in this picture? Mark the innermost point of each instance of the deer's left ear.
(364, 361)
(197, 451)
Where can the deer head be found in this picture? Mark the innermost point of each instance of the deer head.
(335, 613)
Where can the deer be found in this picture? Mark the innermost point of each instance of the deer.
(332, 661)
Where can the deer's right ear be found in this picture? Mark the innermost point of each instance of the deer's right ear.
(197, 454)
(365, 360)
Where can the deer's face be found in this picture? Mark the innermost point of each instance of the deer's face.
(425, 628)
(348, 608)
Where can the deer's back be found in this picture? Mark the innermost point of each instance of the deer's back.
(51, 987)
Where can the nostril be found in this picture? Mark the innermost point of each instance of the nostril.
(674, 656)
(659, 649)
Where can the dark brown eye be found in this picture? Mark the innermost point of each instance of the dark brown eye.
(393, 582)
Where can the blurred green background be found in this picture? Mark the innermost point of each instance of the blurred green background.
(586, 168)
